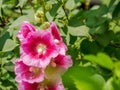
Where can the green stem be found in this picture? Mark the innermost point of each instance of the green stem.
(43, 6)
(1, 66)
(65, 12)
(21, 10)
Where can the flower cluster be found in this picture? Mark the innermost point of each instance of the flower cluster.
(42, 59)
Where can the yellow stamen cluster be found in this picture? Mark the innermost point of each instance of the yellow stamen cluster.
(41, 49)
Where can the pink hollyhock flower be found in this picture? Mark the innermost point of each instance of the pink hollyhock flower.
(40, 86)
(57, 66)
(62, 61)
(57, 38)
(29, 74)
(26, 29)
(39, 48)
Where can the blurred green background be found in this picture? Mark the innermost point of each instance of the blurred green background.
(90, 29)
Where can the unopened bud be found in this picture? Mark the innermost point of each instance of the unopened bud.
(48, 6)
(39, 16)
(45, 25)
(39, 20)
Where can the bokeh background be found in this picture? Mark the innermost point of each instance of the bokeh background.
(90, 29)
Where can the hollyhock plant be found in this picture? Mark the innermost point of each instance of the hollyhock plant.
(29, 74)
(42, 60)
(26, 29)
(39, 48)
(57, 38)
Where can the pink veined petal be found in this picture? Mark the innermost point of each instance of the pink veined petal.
(37, 86)
(18, 78)
(35, 61)
(31, 56)
(19, 66)
(57, 86)
(56, 34)
(54, 31)
(63, 61)
(26, 28)
(59, 65)
(29, 74)
(63, 48)
(27, 86)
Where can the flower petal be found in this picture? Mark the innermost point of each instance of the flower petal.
(26, 28)
(57, 38)
(24, 74)
(63, 61)
(54, 31)
(57, 86)
(27, 86)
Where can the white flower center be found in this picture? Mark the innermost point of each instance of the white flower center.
(41, 49)
(35, 70)
(56, 41)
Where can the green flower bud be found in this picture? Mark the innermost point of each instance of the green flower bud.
(39, 20)
(45, 25)
(39, 16)
(48, 6)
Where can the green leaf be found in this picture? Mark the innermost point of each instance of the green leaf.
(68, 39)
(9, 45)
(18, 21)
(74, 22)
(30, 15)
(49, 17)
(21, 3)
(60, 13)
(0, 7)
(94, 82)
(53, 12)
(89, 47)
(3, 39)
(84, 78)
(70, 4)
(112, 84)
(115, 25)
(108, 85)
(117, 69)
(116, 12)
(9, 66)
(100, 59)
(79, 31)
(106, 2)
(105, 38)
